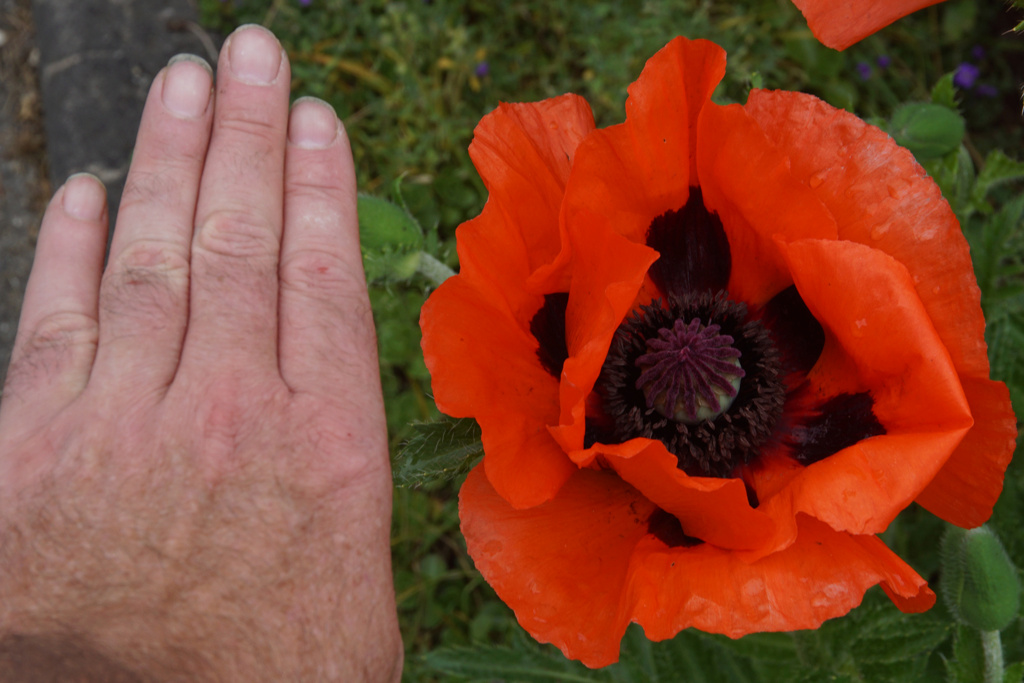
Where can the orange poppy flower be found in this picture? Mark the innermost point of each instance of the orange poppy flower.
(712, 351)
(841, 24)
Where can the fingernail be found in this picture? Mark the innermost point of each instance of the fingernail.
(187, 85)
(254, 55)
(84, 197)
(312, 124)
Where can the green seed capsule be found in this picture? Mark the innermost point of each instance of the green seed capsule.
(979, 582)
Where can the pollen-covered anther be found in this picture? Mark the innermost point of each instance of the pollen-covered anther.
(691, 372)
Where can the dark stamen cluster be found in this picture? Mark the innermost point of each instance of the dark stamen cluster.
(713, 446)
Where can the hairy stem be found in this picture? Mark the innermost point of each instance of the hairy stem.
(993, 646)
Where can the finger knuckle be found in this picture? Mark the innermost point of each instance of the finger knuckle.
(322, 273)
(147, 277)
(62, 330)
(236, 234)
(58, 341)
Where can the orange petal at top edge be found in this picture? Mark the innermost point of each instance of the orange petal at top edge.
(841, 24)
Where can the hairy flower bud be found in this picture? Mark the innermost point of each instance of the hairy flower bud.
(979, 581)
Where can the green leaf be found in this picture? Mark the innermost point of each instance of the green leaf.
(926, 129)
(495, 663)
(446, 449)
(968, 662)
(1014, 673)
(694, 658)
(875, 642)
(383, 225)
(958, 19)
(1005, 337)
(944, 92)
(999, 169)
(775, 648)
(997, 250)
(894, 638)
(954, 174)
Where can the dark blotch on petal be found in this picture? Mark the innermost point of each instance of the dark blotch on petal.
(694, 251)
(666, 528)
(840, 422)
(798, 336)
(548, 327)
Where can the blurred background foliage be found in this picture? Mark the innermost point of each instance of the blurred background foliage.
(411, 79)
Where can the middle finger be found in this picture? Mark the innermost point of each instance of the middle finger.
(235, 249)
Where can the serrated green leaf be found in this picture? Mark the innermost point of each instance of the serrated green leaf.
(384, 225)
(955, 176)
(446, 449)
(775, 648)
(525, 665)
(1005, 337)
(999, 169)
(944, 92)
(693, 658)
(875, 642)
(997, 250)
(897, 638)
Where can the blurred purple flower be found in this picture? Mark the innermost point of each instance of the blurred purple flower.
(965, 76)
(305, 3)
(978, 52)
(864, 70)
(482, 69)
(884, 61)
(986, 90)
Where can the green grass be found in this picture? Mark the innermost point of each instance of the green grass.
(411, 80)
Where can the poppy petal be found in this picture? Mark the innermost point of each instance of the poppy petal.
(524, 153)
(578, 583)
(841, 24)
(600, 296)
(967, 487)
(712, 509)
(565, 579)
(878, 330)
(484, 365)
(746, 180)
(638, 170)
(881, 197)
(823, 574)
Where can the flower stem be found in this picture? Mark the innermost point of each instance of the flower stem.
(993, 646)
(434, 270)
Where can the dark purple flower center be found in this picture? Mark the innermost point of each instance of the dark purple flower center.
(691, 372)
(673, 374)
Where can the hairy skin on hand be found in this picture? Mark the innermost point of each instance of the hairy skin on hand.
(264, 548)
(194, 475)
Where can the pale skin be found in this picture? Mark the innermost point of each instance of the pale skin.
(194, 476)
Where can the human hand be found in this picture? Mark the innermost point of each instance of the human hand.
(194, 477)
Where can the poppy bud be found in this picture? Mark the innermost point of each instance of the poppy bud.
(979, 581)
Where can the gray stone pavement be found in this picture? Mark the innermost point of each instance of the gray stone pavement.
(83, 67)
